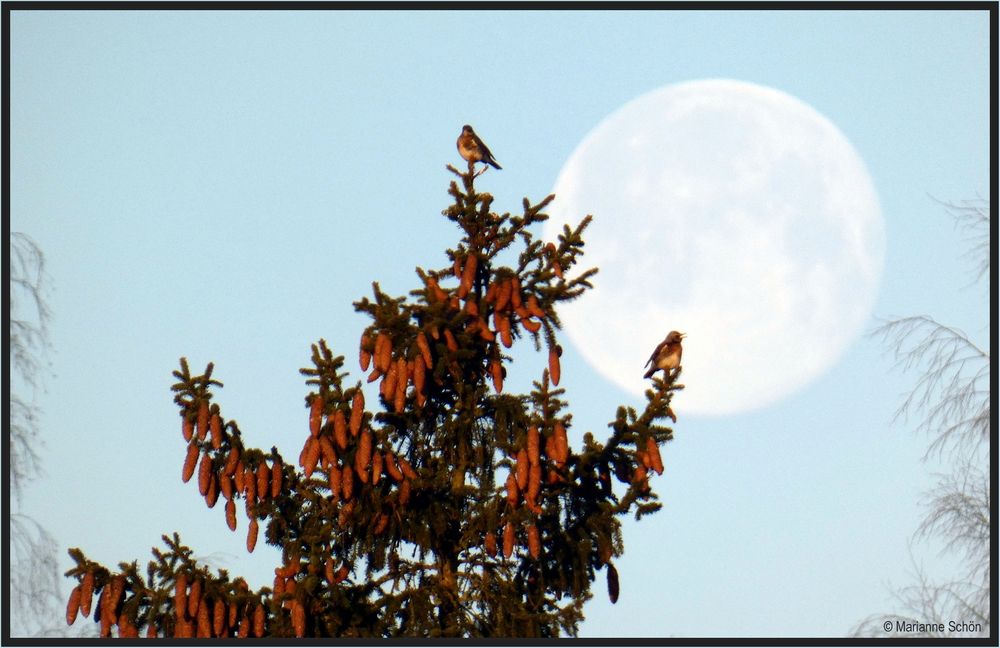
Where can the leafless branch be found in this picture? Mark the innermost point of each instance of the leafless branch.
(29, 344)
(954, 385)
(952, 394)
(972, 217)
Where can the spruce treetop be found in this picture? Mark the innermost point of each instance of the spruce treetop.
(447, 505)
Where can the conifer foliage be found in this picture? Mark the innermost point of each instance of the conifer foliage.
(451, 507)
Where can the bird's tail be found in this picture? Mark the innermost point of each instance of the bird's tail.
(492, 163)
(649, 374)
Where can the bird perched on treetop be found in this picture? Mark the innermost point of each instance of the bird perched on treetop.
(472, 149)
(666, 355)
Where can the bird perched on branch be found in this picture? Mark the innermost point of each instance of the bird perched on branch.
(666, 355)
(472, 149)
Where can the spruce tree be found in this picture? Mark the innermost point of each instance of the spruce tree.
(450, 507)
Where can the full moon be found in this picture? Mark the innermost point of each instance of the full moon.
(734, 213)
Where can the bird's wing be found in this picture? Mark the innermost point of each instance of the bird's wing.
(482, 147)
(656, 352)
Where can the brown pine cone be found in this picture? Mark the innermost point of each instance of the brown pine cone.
(376, 467)
(402, 380)
(534, 308)
(126, 629)
(252, 535)
(102, 614)
(419, 375)
(328, 570)
(364, 353)
(503, 296)
(512, 492)
(194, 598)
(425, 350)
(491, 544)
(316, 415)
(404, 492)
(653, 452)
(183, 629)
(258, 621)
(550, 448)
(347, 483)
(388, 387)
(215, 426)
(180, 593)
(298, 618)
(612, 583)
(263, 479)
(86, 593)
(392, 467)
(357, 411)
(484, 330)
(204, 473)
(231, 514)
(383, 352)
(231, 460)
(515, 292)
(226, 485)
(496, 372)
(522, 468)
(202, 427)
(218, 617)
(561, 443)
(190, 461)
(554, 368)
(233, 619)
(406, 468)
(504, 328)
(533, 445)
(204, 624)
(276, 477)
(212, 496)
(364, 454)
(250, 479)
(491, 293)
(449, 340)
(534, 542)
(187, 427)
(73, 605)
(310, 456)
(508, 539)
(239, 477)
(534, 484)
(335, 478)
(340, 436)
(327, 455)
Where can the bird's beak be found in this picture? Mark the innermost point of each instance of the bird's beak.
(683, 335)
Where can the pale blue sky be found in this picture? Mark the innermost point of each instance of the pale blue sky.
(223, 185)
